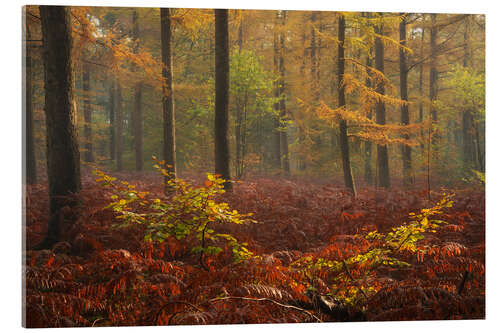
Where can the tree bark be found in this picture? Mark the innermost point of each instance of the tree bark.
(405, 115)
(285, 161)
(222, 96)
(119, 127)
(277, 124)
(344, 143)
(382, 154)
(29, 157)
(112, 129)
(88, 155)
(63, 156)
(433, 74)
(421, 94)
(368, 175)
(169, 147)
(469, 156)
(314, 60)
(137, 113)
(239, 112)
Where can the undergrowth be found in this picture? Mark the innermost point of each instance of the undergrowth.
(317, 254)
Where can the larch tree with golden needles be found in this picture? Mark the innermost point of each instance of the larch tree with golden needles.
(380, 117)
(344, 143)
(405, 115)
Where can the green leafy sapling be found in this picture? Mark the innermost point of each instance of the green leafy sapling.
(190, 211)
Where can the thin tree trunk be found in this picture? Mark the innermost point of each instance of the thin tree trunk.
(88, 155)
(239, 106)
(480, 157)
(169, 146)
(382, 154)
(368, 175)
(469, 156)
(405, 115)
(276, 120)
(29, 157)
(63, 157)
(244, 135)
(222, 96)
(314, 61)
(119, 128)
(344, 143)
(137, 125)
(112, 129)
(285, 162)
(421, 94)
(433, 74)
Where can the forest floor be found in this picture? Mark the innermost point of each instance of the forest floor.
(313, 260)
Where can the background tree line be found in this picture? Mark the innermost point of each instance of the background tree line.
(371, 98)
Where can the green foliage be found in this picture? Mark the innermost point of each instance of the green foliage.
(186, 213)
(250, 81)
(384, 252)
(468, 88)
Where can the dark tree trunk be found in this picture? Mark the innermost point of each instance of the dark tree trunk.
(479, 143)
(222, 96)
(63, 157)
(239, 117)
(119, 127)
(169, 148)
(382, 154)
(433, 75)
(112, 129)
(405, 115)
(137, 112)
(301, 163)
(314, 61)
(421, 94)
(469, 155)
(29, 157)
(344, 143)
(368, 175)
(88, 155)
(276, 120)
(285, 161)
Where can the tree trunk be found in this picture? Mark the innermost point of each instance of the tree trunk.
(276, 120)
(137, 112)
(29, 157)
(239, 106)
(301, 163)
(405, 115)
(285, 161)
(63, 156)
(119, 127)
(88, 155)
(433, 75)
(421, 94)
(368, 175)
(112, 129)
(169, 148)
(314, 61)
(222, 96)
(469, 156)
(382, 154)
(344, 143)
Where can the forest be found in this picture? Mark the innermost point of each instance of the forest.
(222, 166)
